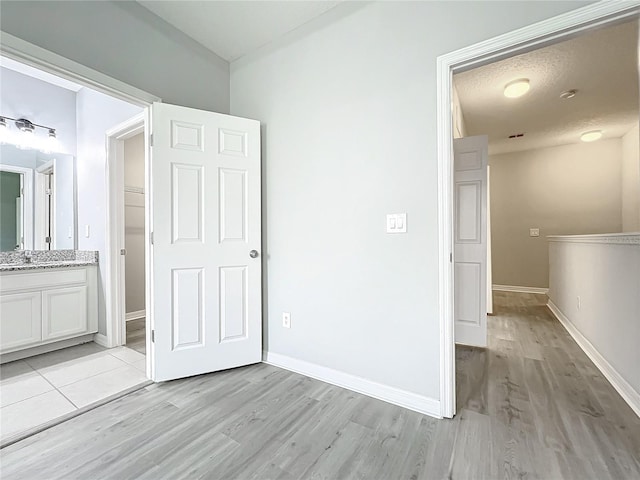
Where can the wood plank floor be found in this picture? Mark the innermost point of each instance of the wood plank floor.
(532, 405)
(136, 335)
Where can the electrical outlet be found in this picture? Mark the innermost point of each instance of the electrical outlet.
(578, 303)
(286, 319)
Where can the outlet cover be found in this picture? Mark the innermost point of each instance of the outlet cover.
(534, 232)
(286, 319)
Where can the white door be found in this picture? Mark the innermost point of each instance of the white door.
(206, 265)
(470, 240)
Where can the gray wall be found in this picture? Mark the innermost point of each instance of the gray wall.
(348, 106)
(565, 190)
(134, 224)
(96, 113)
(126, 41)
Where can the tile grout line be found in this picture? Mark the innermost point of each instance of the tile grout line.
(57, 389)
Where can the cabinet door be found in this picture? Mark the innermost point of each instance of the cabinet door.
(20, 320)
(64, 312)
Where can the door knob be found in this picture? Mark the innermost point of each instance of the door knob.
(253, 253)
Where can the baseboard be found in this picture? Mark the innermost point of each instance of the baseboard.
(135, 315)
(101, 340)
(46, 348)
(625, 390)
(402, 398)
(519, 289)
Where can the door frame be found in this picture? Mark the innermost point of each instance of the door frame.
(38, 57)
(27, 203)
(531, 37)
(116, 301)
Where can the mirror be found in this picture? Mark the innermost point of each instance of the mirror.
(38, 200)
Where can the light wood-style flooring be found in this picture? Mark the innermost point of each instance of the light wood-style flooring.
(136, 335)
(532, 405)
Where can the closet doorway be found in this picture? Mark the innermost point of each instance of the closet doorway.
(134, 241)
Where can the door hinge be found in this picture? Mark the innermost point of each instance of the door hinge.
(153, 336)
(123, 251)
(47, 239)
(151, 237)
(151, 140)
(451, 258)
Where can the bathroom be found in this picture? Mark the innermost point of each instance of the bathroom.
(53, 245)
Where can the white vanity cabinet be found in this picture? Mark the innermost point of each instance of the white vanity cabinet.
(42, 306)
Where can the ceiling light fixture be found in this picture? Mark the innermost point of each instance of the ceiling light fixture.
(517, 88)
(591, 136)
(26, 137)
(568, 94)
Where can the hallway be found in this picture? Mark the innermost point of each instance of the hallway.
(530, 406)
(544, 405)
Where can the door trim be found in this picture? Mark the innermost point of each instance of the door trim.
(38, 57)
(27, 203)
(531, 37)
(115, 301)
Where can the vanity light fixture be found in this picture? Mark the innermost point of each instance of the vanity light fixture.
(517, 88)
(591, 136)
(26, 136)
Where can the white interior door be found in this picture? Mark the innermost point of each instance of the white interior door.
(206, 269)
(470, 240)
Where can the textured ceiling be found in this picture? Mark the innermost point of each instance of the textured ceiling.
(232, 29)
(602, 65)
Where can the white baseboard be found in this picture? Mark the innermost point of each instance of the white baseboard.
(625, 390)
(519, 289)
(412, 401)
(135, 315)
(101, 340)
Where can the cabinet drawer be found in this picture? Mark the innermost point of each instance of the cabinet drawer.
(39, 279)
(64, 312)
(20, 320)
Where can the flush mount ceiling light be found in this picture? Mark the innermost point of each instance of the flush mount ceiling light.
(517, 88)
(591, 136)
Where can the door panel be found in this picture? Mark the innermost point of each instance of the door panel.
(205, 171)
(470, 238)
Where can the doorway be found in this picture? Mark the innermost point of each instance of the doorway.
(521, 41)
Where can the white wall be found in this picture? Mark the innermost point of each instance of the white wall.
(606, 277)
(41, 102)
(128, 42)
(134, 224)
(631, 181)
(96, 113)
(348, 107)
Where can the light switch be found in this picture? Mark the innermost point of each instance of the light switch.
(534, 232)
(397, 223)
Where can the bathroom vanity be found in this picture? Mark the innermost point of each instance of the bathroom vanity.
(48, 300)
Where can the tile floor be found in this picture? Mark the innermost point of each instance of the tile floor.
(39, 389)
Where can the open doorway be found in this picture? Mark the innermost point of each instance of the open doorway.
(565, 190)
(56, 264)
(134, 218)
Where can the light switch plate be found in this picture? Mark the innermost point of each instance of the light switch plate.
(534, 232)
(397, 223)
